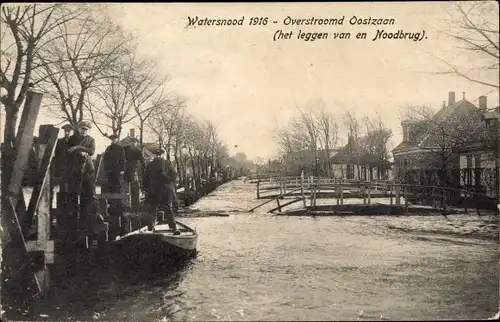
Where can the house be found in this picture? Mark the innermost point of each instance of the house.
(149, 148)
(362, 159)
(479, 155)
(428, 154)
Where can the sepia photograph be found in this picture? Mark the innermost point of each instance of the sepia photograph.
(270, 161)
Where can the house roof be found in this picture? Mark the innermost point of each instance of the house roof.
(353, 153)
(421, 137)
(149, 147)
(482, 137)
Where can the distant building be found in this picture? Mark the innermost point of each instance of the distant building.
(354, 162)
(149, 148)
(311, 161)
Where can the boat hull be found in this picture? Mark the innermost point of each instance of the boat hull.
(158, 248)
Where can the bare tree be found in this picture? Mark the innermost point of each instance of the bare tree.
(474, 26)
(328, 137)
(309, 138)
(352, 124)
(375, 145)
(165, 121)
(26, 30)
(441, 136)
(109, 103)
(147, 91)
(87, 49)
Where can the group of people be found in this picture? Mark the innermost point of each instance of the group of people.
(76, 176)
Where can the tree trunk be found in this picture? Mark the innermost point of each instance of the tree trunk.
(199, 168)
(9, 146)
(11, 116)
(167, 148)
(141, 134)
(178, 166)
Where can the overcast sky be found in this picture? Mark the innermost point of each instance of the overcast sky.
(249, 85)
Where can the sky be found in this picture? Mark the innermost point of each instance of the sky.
(250, 85)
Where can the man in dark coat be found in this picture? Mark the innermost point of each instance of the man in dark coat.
(134, 157)
(157, 184)
(81, 183)
(61, 159)
(114, 165)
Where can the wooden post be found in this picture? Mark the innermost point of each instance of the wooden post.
(434, 205)
(390, 192)
(341, 194)
(444, 199)
(302, 192)
(363, 188)
(370, 192)
(337, 193)
(314, 196)
(278, 202)
(258, 188)
(43, 242)
(284, 186)
(398, 194)
(24, 140)
(46, 149)
(406, 195)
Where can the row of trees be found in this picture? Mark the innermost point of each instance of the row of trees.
(313, 135)
(89, 68)
(194, 143)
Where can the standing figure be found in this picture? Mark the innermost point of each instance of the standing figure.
(157, 184)
(81, 183)
(133, 155)
(61, 158)
(114, 165)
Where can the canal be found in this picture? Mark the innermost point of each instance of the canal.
(256, 266)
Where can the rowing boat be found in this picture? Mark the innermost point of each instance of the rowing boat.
(158, 247)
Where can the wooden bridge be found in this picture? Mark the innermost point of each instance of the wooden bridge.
(326, 196)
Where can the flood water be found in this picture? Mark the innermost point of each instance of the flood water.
(256, 266)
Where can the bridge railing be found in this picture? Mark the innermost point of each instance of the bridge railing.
(313, 189)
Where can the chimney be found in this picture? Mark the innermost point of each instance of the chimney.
(463, 96)
(482, 103)
(451, 98)
(132, 133)
(444, 103)
(404, 125)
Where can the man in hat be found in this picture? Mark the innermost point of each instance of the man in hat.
(114, 165)
(157, 184)
(61, 158)
(81, 147)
